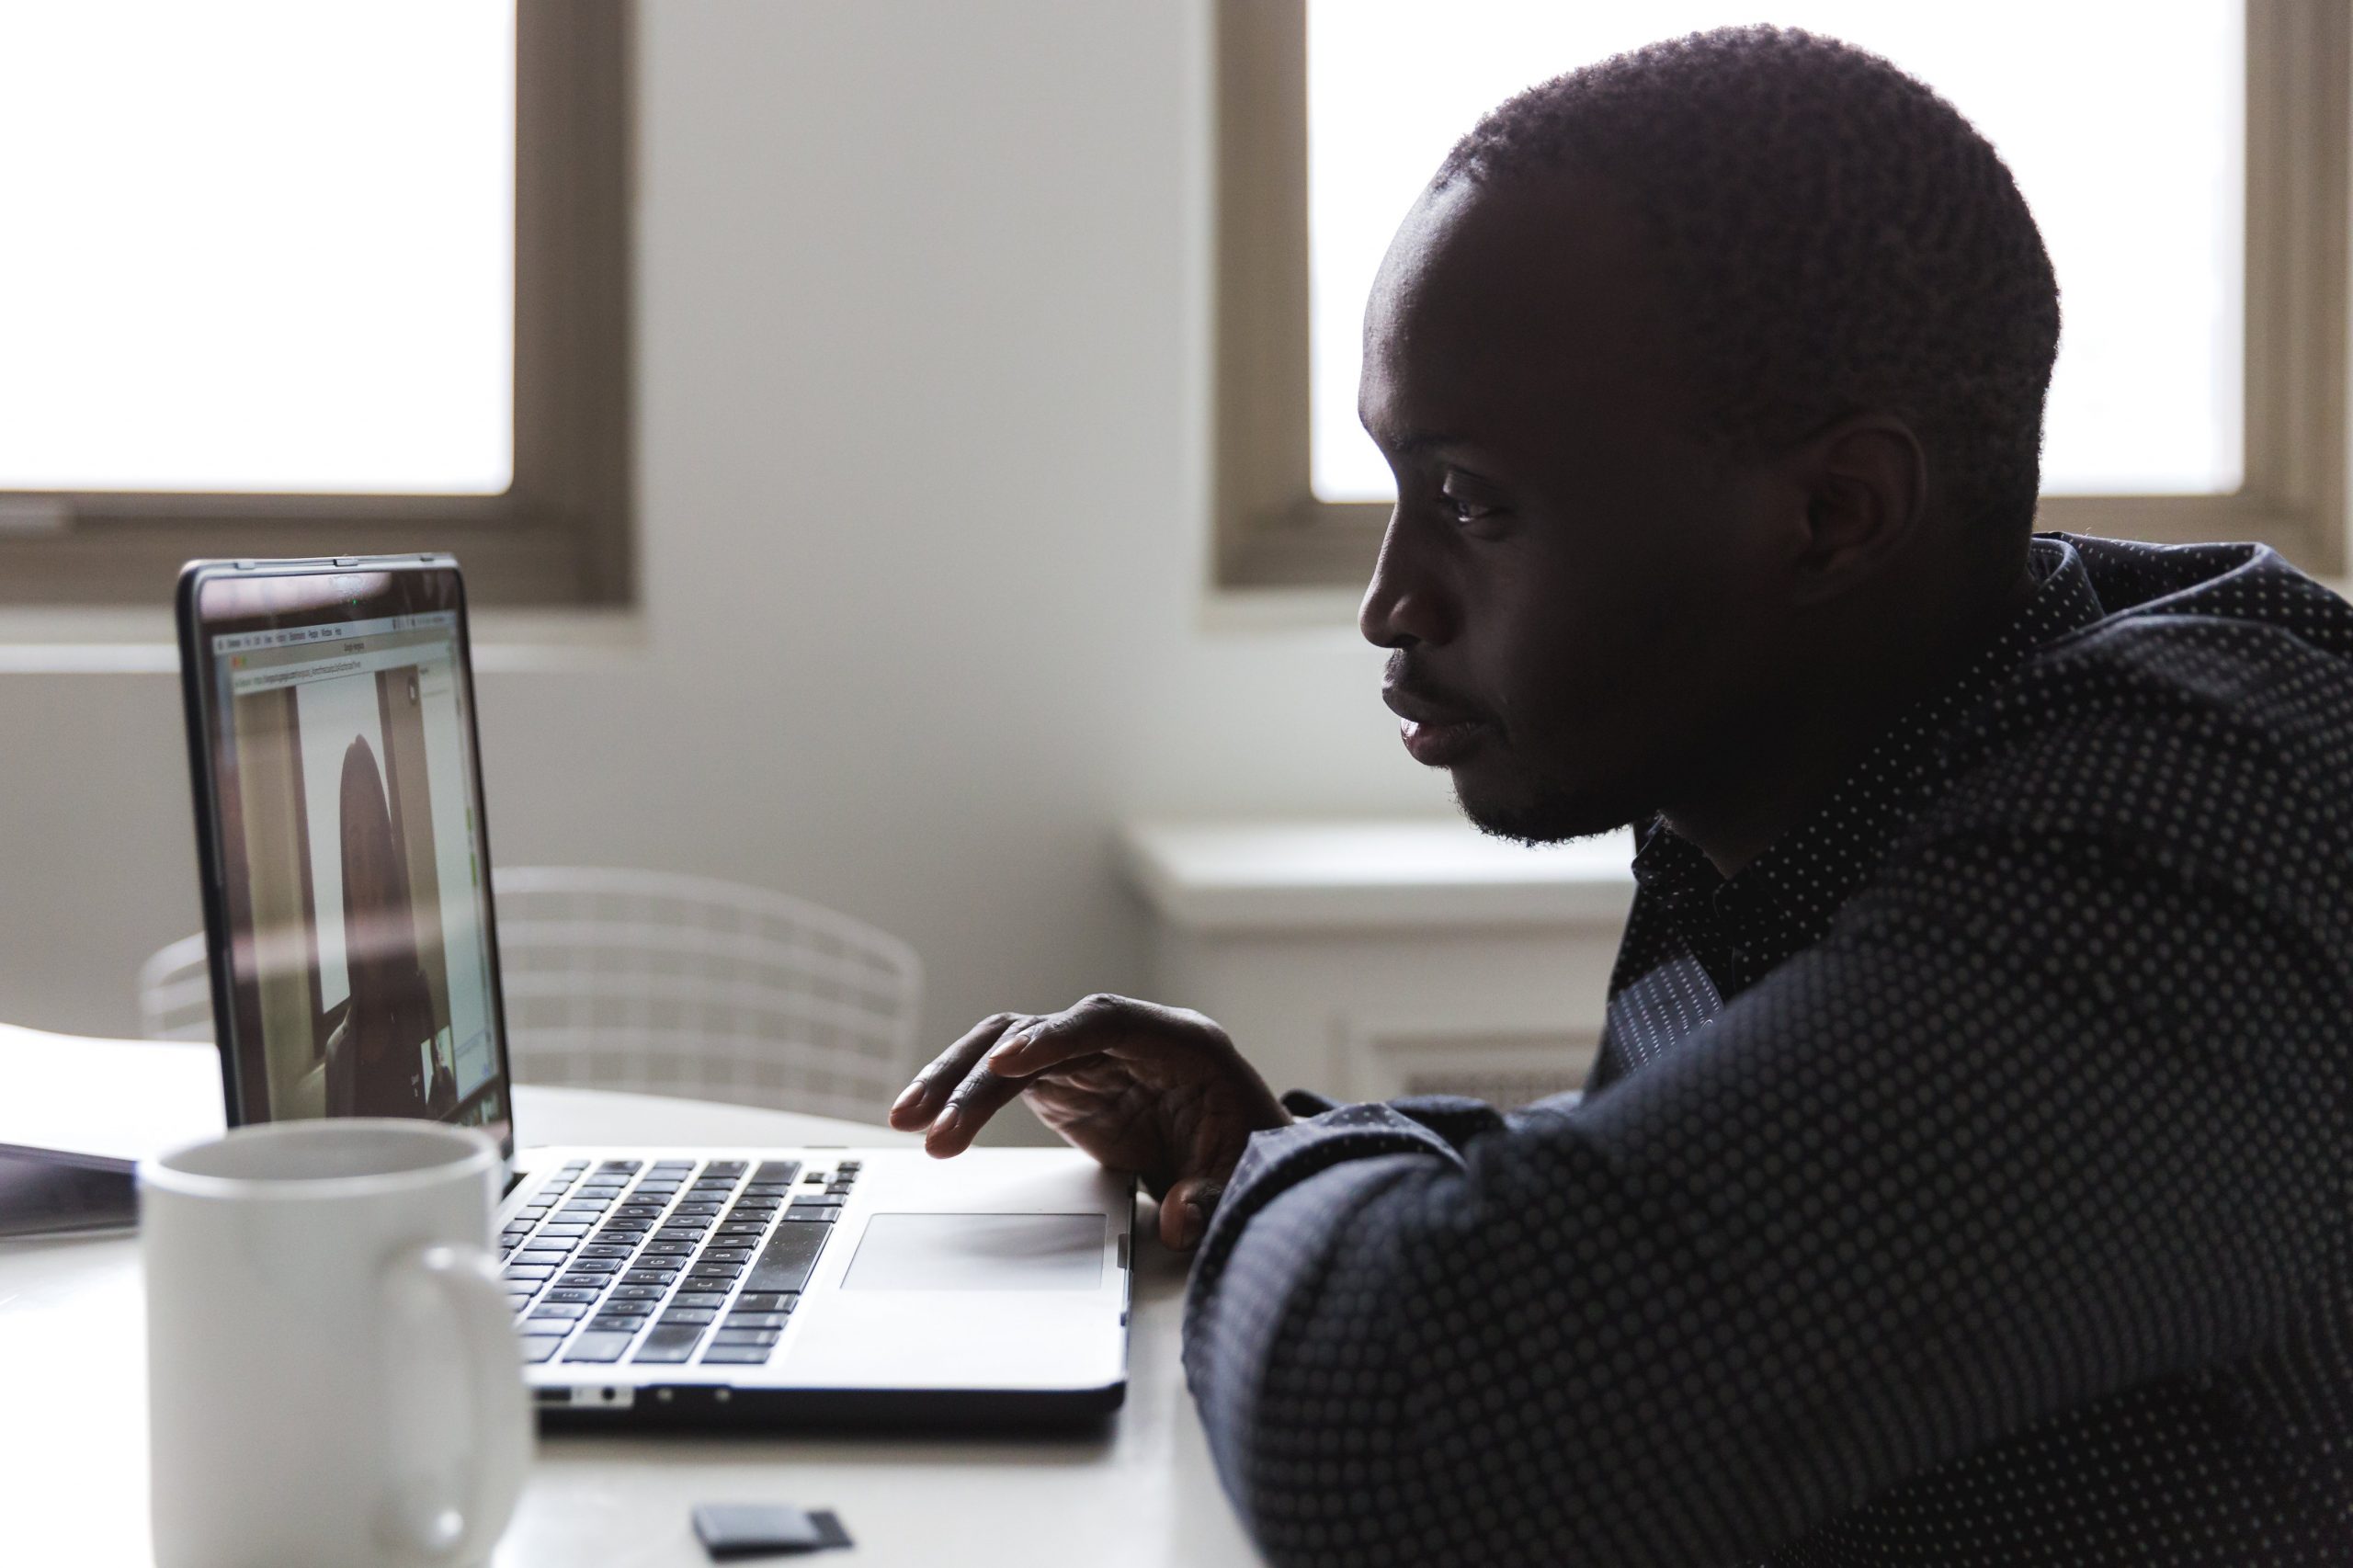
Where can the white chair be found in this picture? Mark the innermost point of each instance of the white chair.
(666, 984)
(175, 992)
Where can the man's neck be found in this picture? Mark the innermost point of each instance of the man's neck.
(1775, 774)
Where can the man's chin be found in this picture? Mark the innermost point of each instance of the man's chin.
(1530, 813)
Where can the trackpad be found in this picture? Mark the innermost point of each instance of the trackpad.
(978, 1252)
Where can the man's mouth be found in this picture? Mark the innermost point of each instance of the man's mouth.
(1437, 736)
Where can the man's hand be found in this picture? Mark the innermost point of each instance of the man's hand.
(1158, 1091)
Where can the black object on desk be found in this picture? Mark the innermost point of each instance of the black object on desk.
(51, 1192)
(758, 1530)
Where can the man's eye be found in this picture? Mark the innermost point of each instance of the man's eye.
(1466, 511)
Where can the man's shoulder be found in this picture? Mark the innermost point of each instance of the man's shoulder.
(2222, 641)
(2206, 718)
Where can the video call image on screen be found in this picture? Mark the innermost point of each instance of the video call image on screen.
(367, 955)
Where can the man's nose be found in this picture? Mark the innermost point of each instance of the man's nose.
(1405, 603)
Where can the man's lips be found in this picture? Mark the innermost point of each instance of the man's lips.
(1435, 735)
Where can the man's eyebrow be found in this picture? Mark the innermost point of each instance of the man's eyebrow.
(1417, 441)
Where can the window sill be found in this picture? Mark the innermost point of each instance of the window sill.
(1371, 874)
(103, 640)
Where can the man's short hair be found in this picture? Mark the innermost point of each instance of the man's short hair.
(1834, 235)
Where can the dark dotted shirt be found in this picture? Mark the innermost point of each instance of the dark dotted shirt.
(1963, 1181)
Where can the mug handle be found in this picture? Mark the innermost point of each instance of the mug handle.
(501, 1411)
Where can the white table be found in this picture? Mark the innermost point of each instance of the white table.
(74, 1424)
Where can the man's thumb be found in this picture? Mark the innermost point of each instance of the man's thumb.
(1185, 1212)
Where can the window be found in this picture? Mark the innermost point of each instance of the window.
(2197, 234)
(294, 280)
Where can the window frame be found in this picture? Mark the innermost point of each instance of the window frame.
(1271, 531)
(563, 533)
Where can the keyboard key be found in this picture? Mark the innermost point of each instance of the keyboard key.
(637, 1292)
(668, 1343)
(529, 1270)
(777, 1170)
(564, 1228)
(786, 1261)
(659, 1248)
(690, 1314)
(559, 1311)
(806, 1211)
(649, 1276)
(692, 1298)
(538, 1347)
(597, 1348)
(765, 1301)
(754, 1320)
(608, 1323)
(573, 1295)
(746, 1336)
(725, 1167)
(738, 1355)
(822, 1199)
(720, 1255)
(596, 1265)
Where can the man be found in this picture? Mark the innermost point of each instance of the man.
(1964, 1177)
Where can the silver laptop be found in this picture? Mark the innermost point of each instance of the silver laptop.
(355, 971)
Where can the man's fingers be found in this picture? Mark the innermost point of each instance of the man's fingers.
(921, 1100)
(1185, 1211)
(980, 1096)
(1096, 1024)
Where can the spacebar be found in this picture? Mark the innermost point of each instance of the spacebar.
(786, 1261)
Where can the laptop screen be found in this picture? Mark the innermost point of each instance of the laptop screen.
(352, 861)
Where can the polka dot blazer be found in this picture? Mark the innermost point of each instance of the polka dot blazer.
(1963, 1181)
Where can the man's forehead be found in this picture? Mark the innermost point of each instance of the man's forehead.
(1535, 287)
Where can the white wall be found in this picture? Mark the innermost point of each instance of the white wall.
(922, 316)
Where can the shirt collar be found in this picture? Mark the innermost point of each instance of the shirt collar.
(1782, 901)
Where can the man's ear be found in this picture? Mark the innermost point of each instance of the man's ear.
(1865, 481)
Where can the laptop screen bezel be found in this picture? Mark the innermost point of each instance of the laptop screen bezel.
(221, 597)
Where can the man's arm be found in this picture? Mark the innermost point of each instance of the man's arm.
(1940, 1176)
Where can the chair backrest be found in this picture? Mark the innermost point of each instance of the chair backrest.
(669, 984)
(175, 991)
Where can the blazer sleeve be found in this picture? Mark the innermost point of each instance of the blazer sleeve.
(1934, 1180)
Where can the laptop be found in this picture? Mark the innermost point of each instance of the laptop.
(334, 749)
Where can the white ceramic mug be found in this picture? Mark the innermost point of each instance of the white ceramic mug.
(332, 1372)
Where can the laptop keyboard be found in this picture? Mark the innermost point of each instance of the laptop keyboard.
(667, 1261)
